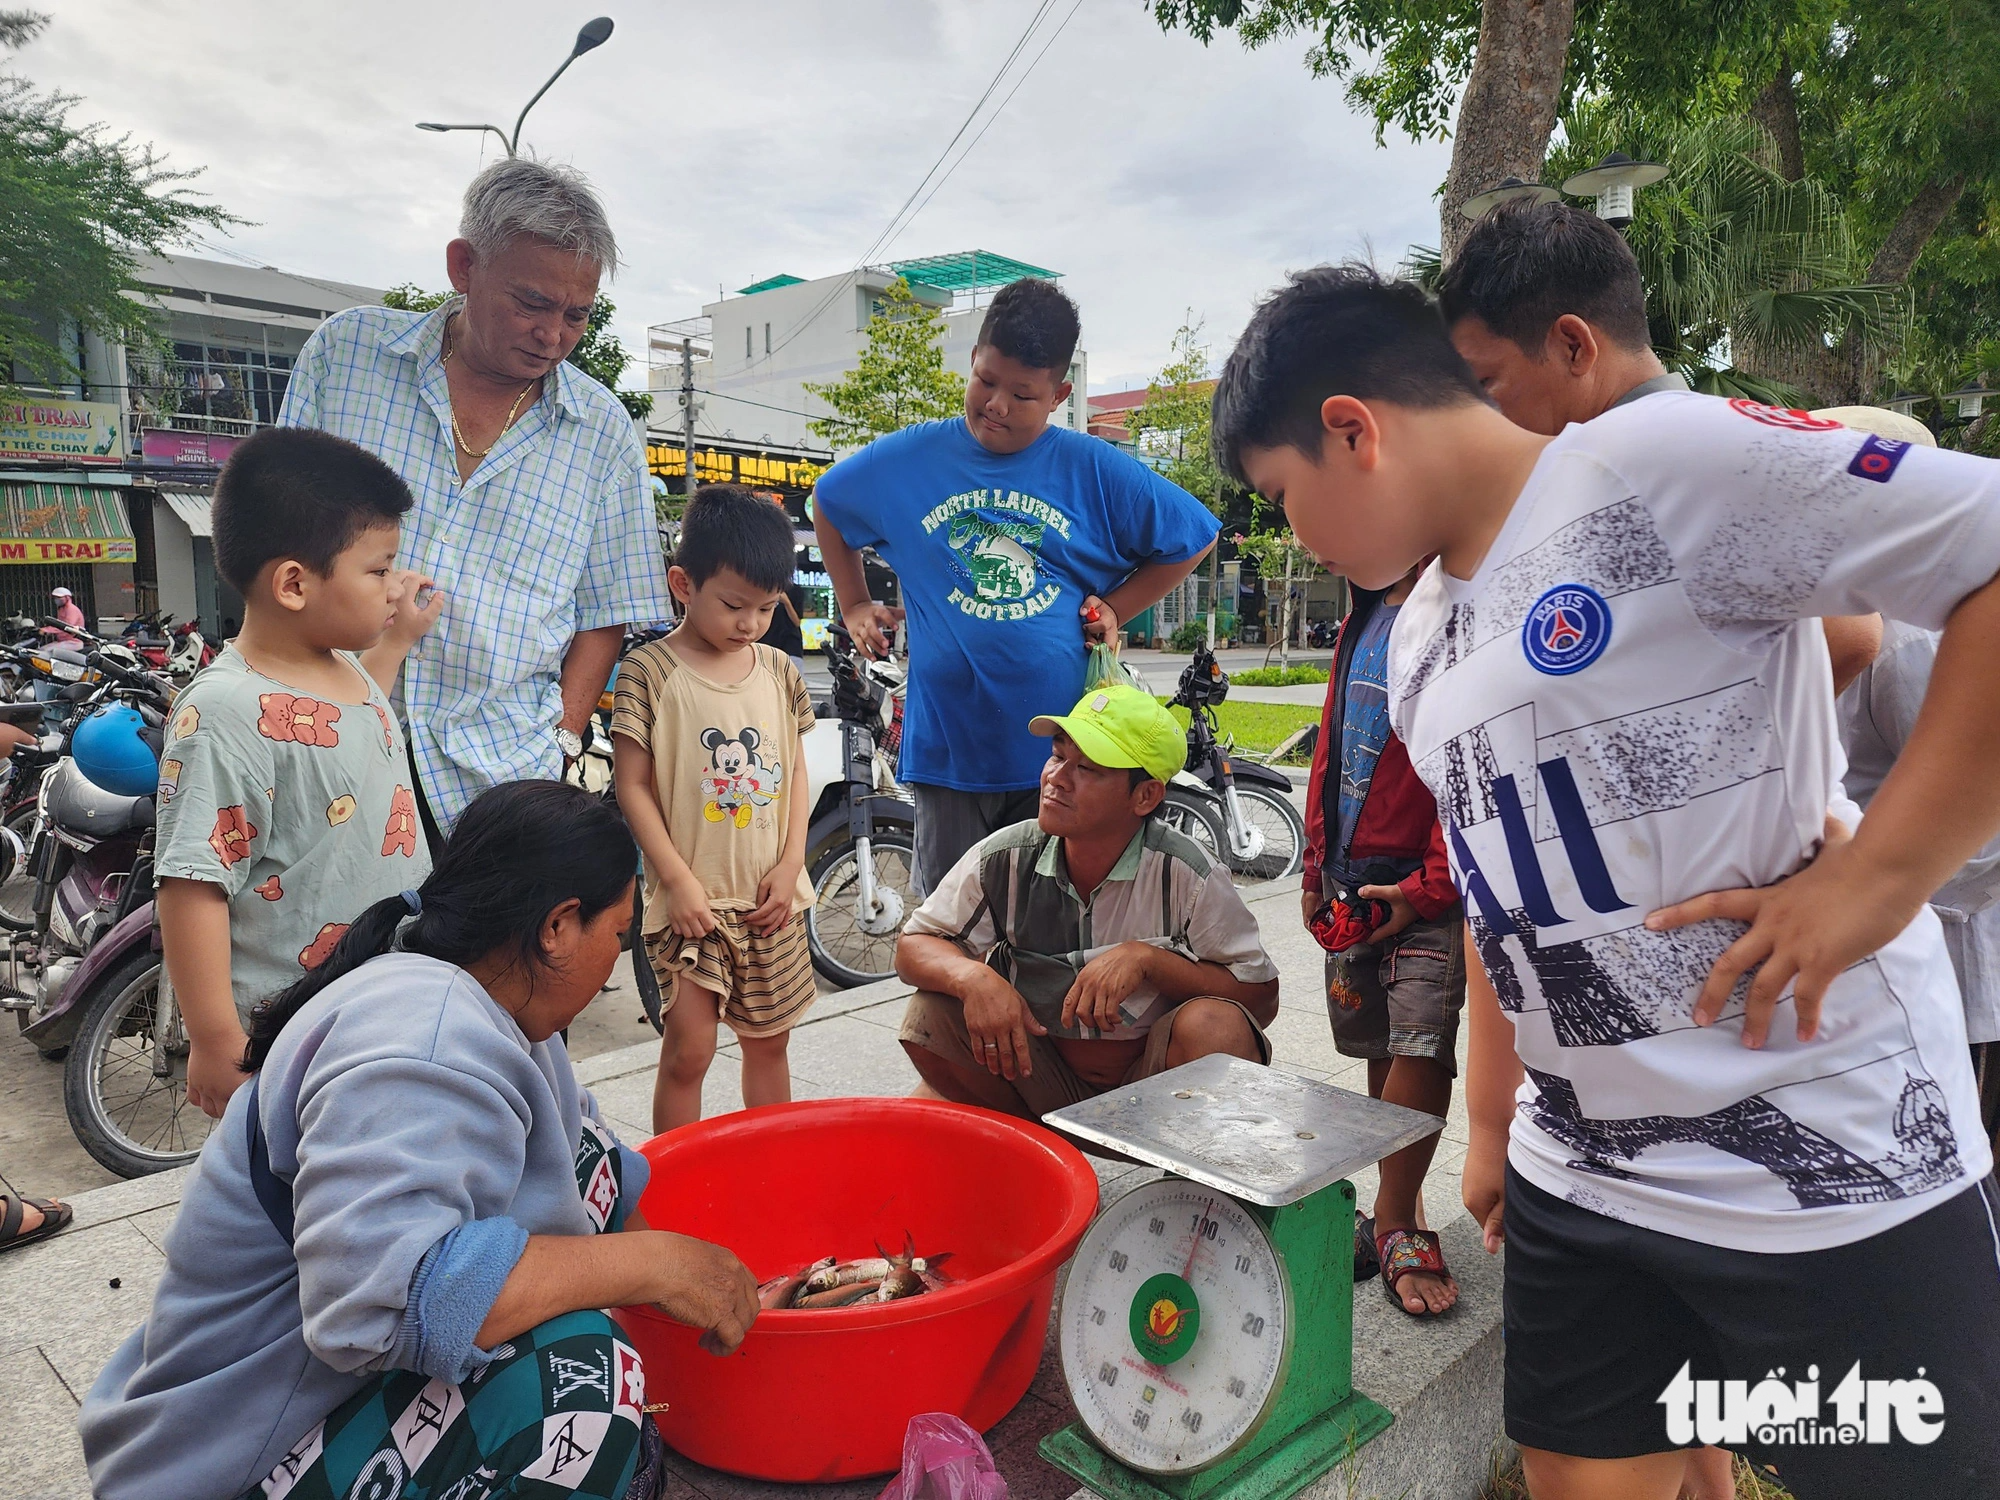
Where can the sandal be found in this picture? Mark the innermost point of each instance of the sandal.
(1404, 1251)
(1367, 1264)
(55, 1219)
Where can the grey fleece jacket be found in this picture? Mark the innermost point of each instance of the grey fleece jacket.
(409, 1110)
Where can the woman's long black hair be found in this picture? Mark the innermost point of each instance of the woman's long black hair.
(518, 853)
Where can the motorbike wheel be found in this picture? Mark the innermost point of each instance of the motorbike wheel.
(1278, 837)
(844, 950)
(132, 1121)
(1194, 818)
(17, 892)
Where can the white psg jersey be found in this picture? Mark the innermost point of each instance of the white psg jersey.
(1630, 704)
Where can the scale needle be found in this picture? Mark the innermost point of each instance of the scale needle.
(1194, 1242)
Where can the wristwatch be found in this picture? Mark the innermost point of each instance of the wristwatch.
(569, 742)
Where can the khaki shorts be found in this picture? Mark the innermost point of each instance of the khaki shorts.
(764, 983)
(936, 1023)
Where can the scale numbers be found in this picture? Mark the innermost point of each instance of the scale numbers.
(1176, 1307)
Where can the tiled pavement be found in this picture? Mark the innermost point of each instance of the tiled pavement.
(66, 1304)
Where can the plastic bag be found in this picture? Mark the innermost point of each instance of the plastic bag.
(1104, 670)
(944, 1459)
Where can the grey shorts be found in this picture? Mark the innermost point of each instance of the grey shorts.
(949, 822)
(1401, 997)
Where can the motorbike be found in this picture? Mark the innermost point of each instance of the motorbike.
(86, 981)
(1238, 810)
(861, 839)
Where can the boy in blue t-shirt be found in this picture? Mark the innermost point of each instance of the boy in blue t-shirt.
(1006, 534)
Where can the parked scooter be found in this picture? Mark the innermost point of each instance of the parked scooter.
(87, 979)
(1240, 811)
(861, 841)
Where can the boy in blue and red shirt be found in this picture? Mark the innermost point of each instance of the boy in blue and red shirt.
(1378, 895)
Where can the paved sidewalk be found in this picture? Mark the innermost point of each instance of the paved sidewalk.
(67, 1303)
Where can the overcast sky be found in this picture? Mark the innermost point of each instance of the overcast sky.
(735, 140)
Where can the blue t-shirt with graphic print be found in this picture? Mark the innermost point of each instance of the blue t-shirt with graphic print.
(996, 554)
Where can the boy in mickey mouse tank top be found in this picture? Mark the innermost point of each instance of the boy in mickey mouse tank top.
(706, 741)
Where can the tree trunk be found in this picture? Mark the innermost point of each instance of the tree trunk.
(1856, 371)
(1776, 108)
(1509, 104)
(1285, 619)
(1913, 229)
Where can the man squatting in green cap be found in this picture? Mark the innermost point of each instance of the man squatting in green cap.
(1091, 947)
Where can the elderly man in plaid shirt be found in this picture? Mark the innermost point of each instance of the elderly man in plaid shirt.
(534, 507)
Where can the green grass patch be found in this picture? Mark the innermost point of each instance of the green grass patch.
(1257, 726)
(1276, 677)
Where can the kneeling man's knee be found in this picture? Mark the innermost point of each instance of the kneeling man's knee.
(1205, 1026)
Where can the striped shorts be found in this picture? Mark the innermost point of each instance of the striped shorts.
(764, 984)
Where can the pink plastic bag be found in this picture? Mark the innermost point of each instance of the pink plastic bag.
(944, 1459)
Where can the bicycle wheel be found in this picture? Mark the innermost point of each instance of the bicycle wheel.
(1275, 835)
(133, 1118)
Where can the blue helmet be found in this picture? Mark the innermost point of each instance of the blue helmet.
(111, 747)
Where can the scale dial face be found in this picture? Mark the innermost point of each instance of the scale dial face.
(1176, 1327)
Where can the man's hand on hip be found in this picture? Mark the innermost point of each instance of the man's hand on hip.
(999, 1023)
(1100, 622)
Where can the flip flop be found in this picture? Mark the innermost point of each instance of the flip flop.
(1403, 1251)
(1367, 1264)
(55, 1219)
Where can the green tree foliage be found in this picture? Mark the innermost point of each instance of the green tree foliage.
(79, 204)
(899, 380)
(1171, 426)
(598, 354)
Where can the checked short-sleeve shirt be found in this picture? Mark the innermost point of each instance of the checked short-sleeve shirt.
(554, 533)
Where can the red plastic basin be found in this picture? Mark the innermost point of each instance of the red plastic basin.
(820, 1396)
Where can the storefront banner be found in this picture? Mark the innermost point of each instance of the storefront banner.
(195, 448)
(84, 432)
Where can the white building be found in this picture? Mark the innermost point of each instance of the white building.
(755, 351)
(104, 480)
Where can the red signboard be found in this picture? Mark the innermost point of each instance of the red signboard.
(198, 448)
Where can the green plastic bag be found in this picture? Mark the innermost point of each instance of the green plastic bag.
(1104, 670)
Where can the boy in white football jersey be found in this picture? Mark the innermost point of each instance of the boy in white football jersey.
(1731, 1139)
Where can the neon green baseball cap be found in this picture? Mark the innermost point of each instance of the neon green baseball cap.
(1122, 728)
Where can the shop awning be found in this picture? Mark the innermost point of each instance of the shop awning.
(63, 523)
(192, 506)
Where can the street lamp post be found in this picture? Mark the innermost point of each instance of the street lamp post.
(590, 36)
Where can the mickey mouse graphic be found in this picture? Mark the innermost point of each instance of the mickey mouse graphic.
(738, 780)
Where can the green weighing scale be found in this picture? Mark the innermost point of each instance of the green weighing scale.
(1207, 1327)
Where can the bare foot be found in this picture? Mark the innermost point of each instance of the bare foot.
(1422, 1292)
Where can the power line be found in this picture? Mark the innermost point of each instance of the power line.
(891, 228)
(999, 110)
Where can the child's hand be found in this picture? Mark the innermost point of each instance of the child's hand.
(774, 898)
(412, 623)
(213, 1074)
(1803, 932)
(1485, 1190)
(1401, 913)
(688, 911)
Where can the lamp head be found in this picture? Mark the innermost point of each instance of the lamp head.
(432, 125)
(1613, 182)
(592, 34)
(1477, 206)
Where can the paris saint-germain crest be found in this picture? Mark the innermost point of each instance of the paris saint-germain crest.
(1566, 630)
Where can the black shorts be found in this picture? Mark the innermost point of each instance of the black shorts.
(1601, 1317)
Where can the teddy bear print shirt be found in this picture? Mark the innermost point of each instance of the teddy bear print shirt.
(298, 807)
(723, 767)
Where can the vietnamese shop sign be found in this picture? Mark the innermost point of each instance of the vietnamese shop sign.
(84, 432)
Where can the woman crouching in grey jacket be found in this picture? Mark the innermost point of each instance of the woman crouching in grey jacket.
(385, 1275)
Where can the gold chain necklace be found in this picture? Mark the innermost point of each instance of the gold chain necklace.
(513, 411)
